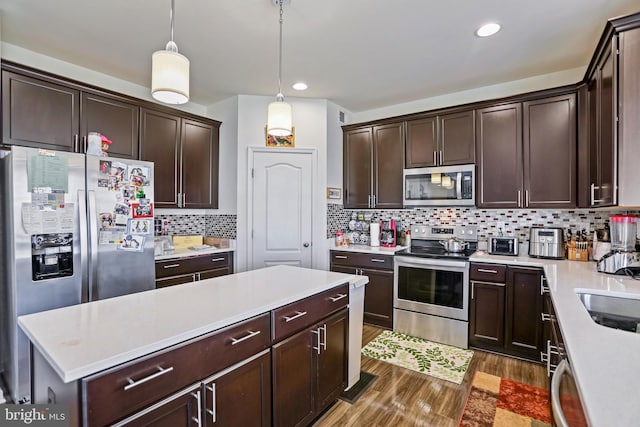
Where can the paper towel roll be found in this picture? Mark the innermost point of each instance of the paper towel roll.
(374, 229)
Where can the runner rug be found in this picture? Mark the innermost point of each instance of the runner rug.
(438, 360)
(499, 402)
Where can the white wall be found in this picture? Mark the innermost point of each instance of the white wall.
(66, 69)
(309, 119)
(544, 81)
(334, 145)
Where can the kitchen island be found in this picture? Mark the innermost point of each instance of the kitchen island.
(75, 347)
(604, 361)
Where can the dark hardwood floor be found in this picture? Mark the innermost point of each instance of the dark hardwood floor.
(401, 397)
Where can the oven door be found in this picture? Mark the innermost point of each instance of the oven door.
(432, 286)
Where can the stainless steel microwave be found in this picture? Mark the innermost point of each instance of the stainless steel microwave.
(440, 186)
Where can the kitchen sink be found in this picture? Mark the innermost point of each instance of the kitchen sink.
(612, 311)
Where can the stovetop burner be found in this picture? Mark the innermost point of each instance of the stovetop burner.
(425, 241)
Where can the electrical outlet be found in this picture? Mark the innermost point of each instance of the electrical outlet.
(501, 227)
(584, 226)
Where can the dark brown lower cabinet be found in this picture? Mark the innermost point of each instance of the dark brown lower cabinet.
(486, 323)
(523, 323)
(181, 410)
(378, 293)
(309, 371)
(506, 314)
(240, 396)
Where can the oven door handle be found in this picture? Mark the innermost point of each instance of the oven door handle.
(459, 185)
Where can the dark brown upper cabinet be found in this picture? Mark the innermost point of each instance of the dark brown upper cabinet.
(611, 107)
(115, 119)
(373, 164)
(527, 154)
(185, 154)
(39, 113)
(603, 130)
(442, 140)
(499, 156)
(549, 141)
(43, 113)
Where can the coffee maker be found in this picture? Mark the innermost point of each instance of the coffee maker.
(623, 259)
(388, 233)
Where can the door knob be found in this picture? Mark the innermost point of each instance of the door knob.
(305, 244)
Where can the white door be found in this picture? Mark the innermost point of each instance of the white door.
(281, 208)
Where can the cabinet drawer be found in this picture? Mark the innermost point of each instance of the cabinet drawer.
(175, 280)
(120, 391)
(488, 272)
(358, 259)
(300, 314)
(178, 266)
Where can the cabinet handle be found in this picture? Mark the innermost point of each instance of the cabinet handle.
(484, 270)
(340, 256)
(369, 202)
(375, 201)
(212, 411)
(435, 158)
(526, 198)
(324, 341)
(338, 298)
(161, 371)
(317, 333)
(75, 143)
(519, 199)
(299, 314)
(171, 266)
(546, 317)
(251, 334)
(377, 260)
(217, 259)
(199, 419)
(84, 143)
(544, 289)
(441, 157)
(184, 199)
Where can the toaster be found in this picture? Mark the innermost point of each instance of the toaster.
(546, 242)
(503, 246)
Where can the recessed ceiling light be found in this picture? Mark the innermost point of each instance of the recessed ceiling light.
(488, 29)
(300, 86)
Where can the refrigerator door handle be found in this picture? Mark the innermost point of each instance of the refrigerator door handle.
(93, 240)
(84, 259)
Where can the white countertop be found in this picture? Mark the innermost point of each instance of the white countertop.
(381, 250)
(185, 253)
(84, 339)
(605, 362)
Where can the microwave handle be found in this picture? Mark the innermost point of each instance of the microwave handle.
(459, 185)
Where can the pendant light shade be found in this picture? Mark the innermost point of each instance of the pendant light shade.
(170, 73)
(279, 113)
(279, 121)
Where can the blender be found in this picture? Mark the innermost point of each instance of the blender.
(623, 258)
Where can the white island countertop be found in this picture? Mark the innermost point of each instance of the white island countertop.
(84, 339)
(604, 361)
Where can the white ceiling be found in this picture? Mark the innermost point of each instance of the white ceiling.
(360, 54)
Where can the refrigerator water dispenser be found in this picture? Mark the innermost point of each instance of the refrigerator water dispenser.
(51, 255)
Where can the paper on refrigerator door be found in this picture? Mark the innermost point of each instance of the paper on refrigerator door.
(37, 219)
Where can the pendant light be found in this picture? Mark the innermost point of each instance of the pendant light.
(170, 72)
(279, 122)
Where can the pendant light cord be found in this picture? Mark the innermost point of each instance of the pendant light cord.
(279, 96)
(171, 19)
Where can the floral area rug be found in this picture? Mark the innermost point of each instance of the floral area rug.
(499, 402)
(438, 360)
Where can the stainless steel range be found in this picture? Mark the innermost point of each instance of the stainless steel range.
(431, 284)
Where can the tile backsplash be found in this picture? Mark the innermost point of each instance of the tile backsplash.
(205, 225)
(517, 222)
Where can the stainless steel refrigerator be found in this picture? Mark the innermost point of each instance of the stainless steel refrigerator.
(75, 228)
